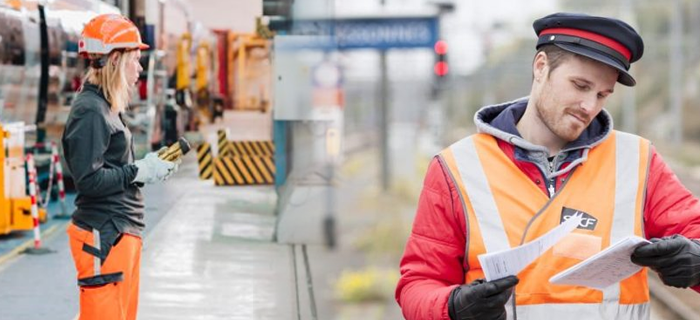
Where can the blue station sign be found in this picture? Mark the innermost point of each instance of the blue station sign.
(372, 33)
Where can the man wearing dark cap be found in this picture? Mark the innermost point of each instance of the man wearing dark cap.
(536, 162)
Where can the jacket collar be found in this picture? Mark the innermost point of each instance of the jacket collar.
(500, 121)
(87, 86)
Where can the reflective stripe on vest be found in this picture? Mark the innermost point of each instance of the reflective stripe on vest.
(480, 171)
(583, 311)
(627, 178)
(474, 180)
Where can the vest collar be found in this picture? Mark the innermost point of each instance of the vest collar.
(500, 121)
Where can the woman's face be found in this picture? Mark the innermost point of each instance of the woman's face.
(133, 67)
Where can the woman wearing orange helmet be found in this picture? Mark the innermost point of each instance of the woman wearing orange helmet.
(105, 233)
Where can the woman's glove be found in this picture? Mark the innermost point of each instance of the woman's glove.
(152, 169)
(175, 168)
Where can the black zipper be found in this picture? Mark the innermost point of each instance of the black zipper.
(551, 183)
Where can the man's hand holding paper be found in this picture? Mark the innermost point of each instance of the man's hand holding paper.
(497, 265)
(605, 268)
(676, 259)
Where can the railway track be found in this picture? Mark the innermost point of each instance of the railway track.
(669, 303)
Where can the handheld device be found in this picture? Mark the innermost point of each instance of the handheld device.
(176, 150)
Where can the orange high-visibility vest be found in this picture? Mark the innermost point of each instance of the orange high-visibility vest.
(504, 208)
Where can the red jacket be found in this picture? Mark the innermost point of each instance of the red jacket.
(433, 261)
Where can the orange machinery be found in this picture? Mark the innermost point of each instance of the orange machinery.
(250, 71)
(15, 205)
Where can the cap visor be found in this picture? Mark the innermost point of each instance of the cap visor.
(624, 77)
(143, 46)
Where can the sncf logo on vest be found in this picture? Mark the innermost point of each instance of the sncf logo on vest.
(588, 221)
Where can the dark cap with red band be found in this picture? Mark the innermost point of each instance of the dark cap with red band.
(607, 40)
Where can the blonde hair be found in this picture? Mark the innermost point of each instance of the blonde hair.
(111, 78)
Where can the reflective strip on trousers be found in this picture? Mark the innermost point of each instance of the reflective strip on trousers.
(96, 260)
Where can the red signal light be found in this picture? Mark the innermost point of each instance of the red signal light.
(441, 68)
(441, 47)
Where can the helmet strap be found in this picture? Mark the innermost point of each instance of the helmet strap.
(100, 62)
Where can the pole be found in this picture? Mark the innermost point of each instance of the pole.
(676, 73)
(329, 218)
(332, 154)
(43, 77)
(43, 203)
(32, 194)
(161, 26)
(384, 121)
(384, 118)
(61, 187)
(37, 192)
(629, 100)
(31, 172)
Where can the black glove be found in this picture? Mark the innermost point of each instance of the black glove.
(481, 300)
(676, 259)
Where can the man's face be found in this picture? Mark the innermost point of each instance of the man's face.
(573, 94)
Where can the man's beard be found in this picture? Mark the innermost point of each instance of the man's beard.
(549, 119)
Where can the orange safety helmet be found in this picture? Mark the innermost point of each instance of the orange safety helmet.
(108, 32)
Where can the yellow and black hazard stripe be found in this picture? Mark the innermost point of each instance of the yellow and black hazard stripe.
(223, 143)
(205, 161)
(243, 170)
(252, 148)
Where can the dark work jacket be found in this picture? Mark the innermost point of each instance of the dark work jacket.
(98, 149)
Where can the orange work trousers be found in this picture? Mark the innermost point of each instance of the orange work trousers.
(109, 290)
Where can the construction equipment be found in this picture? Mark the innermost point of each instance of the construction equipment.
(15, 205)
(202, 91)
(203, 66)
(184, 66)
(250, 68)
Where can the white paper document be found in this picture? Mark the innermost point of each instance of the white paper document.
(500, 264)
(605, 268)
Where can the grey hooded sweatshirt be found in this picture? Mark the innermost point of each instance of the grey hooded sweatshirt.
(500, 121)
